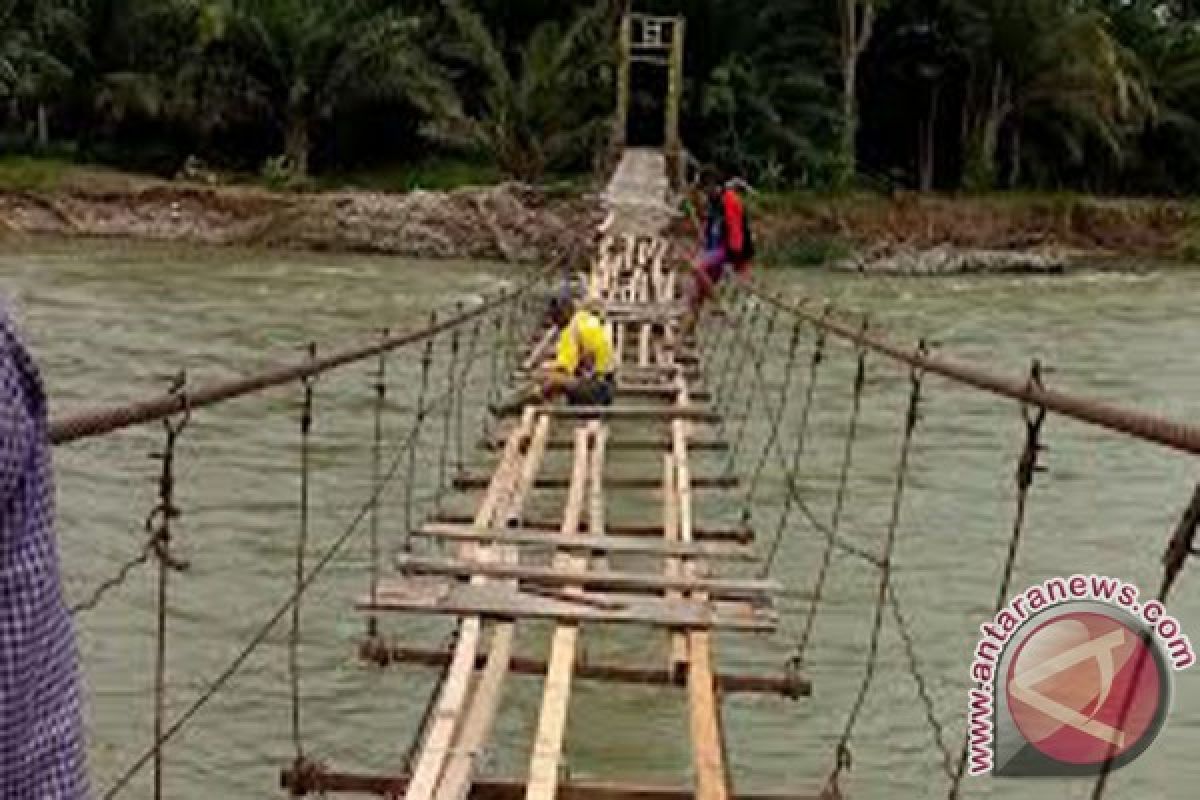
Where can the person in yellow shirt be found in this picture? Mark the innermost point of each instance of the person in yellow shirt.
(582, 370)
(583, 363)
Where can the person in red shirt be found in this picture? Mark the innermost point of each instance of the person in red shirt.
(726, 242)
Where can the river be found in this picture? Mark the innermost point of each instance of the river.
(112, 321)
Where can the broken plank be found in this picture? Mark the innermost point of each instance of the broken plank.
(749, 588)
(470, 482)
(507, 603)
(652, 530)
(788, 684)
(610, 544)
(691, 413)
(330, 781)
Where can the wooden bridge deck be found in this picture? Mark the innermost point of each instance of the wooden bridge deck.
(494, 581)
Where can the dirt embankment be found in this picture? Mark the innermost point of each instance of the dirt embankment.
(931, 234)
(504, 222)
(904, 233)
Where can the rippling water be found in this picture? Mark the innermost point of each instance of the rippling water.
(110, 322)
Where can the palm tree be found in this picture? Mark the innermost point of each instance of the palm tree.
(540, 110)
(37, 39)
(1052, 66)
(298, 62)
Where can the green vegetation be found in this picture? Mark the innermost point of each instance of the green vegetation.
(28, 174)
(1099, 96)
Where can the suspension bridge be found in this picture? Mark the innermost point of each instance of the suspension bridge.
(468, 543)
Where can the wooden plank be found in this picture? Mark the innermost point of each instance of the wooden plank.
(463, 762)
(608, 580)
(474, 482)
(651, 530)
(787, 684)
(673, 569)
(538, 354)
(556, 692)
(331, 781)
(609, 544)
(641, 444)
(459, 599)
(694, 414)
(440, 734)
(708, 761)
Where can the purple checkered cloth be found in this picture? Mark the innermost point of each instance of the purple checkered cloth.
(41, 724)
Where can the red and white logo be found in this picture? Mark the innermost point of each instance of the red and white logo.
(1072, 677)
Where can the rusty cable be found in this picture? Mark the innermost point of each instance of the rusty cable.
(100, 421)
(1138, 424)
(844, 759)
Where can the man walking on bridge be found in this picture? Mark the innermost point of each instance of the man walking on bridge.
(41, 728)
(726, 241)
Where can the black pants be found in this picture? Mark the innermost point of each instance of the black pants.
(593, 390)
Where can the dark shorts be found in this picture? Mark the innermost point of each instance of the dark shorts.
(593, 390)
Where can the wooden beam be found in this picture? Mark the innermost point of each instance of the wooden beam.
(708, 761)
(556, 691)
(609, 544)
(608, 580)
(506, 603)
(463, 763)
(657, 444)
(474, 482)
(453, 696)
(318, 781)
(652, 530)
(694, 414)
(788, 684)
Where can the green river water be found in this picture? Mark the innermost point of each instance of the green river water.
(109, 322)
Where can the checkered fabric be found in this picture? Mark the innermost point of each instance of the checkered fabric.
(41, 725)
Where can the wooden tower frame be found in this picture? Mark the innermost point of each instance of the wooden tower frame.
(653, 40)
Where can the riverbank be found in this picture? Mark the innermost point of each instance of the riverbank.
(898, 234)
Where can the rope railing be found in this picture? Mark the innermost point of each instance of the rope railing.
(1035, 401)
(97, 422)
(1138, 424)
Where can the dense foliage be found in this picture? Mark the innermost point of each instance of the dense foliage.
(1100, 95)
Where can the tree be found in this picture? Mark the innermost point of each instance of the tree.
(37, 38)
(299, 62)
(539, 106)
(856, 23)
(1048, 66)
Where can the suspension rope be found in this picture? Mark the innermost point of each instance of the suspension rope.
(260, 636)
(1027, 467)
(860, 376)
(757, 357)
(158, 525)
(306, 420)
(418, 420)
(463, 382)
(380, 387)
(1181, 545)
(843, 758)
(775, 418)
(448, 417)
(814, 365)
